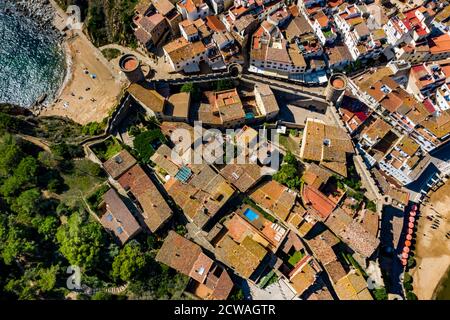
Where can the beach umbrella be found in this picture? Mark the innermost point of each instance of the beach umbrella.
(408, 237)
(405, 249)
(412, 213)
(411, 219)
(411, 225)
(414, 207)
(405, 255)
(408, 243)
(404, 262)
(410, 231)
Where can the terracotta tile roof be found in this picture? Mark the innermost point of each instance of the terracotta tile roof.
(163, 6)
(119, 163)
(180, 254)
(142, 36)
(338, 167)
(315, 176)
(316, 200)
(154, 207)
(162, 158)
(221, 285)
(323, 142)
(215, 24)
(179, 105)
(149, 98)
(377, 129)
(267, 96)
(370, 222)
(440, 44)
(408, 145)
(275, 197)
(352, 233)
(229, 105)
(335, 270)
(303, 279)
(201, 197)
(180, 49)
(237, 257)
(242, 176)
(118, 218)
(352, 287)
(322, 250)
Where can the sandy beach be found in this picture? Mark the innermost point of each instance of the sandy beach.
(91, 88)
(433, 249)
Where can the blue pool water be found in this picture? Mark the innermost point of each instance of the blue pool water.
(250, 214)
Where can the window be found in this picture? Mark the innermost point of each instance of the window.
(109, 217)
(119, 230)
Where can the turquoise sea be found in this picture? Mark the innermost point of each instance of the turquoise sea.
(32, 62)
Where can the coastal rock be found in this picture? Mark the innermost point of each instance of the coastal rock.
(40, 10)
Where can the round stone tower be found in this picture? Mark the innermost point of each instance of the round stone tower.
(131, 66)
(336, 88)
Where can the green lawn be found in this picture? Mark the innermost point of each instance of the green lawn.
(290, 143)
(83, 179)
(111, 54)
(107, 149)
(295, 258)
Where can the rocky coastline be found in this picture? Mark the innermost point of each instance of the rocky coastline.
(40, 11)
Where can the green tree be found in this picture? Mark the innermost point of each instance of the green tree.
(289, 158)
(67, 151)
(128, 264)
(27, 202)
(143, 144)
(102, 295)
(46, 226)
(193, 89)
(10, 154)
(380, 294)
(80, 242)
(14, 243)
(288, 175)
(411, 296)
(236, 294)
(25, 175)
(34, 283)
(224, 84)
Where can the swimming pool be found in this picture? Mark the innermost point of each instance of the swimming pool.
(250, 214)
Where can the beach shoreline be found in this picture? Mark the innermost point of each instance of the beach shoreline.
(91, 88)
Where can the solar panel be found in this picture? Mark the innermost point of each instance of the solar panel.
(183, 174)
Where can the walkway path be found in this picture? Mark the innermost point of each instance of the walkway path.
(158, 65)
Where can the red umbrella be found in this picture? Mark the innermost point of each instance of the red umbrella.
(412, 213)
(404, 262)
(408, 243)
(405, 255)
(411, 219)
(411, 225)
(410, 231)
(408, 237)
(405, 249)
